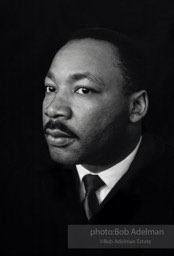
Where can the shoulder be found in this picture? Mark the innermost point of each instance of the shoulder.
(154, 150)
(156, 159)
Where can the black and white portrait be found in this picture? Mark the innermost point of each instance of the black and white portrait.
(87, 122)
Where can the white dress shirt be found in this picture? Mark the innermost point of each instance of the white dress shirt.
(110, 176)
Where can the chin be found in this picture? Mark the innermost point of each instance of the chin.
(64, 158)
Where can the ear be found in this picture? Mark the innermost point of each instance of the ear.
(138, 106)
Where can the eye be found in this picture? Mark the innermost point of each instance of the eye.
(49, 89)
(84, 90)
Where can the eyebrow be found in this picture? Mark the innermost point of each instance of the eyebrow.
(87, 75)
(79, 76)
(51, 76)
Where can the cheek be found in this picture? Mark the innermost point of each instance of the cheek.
(44, 117)
(100, 118)
(94, 119)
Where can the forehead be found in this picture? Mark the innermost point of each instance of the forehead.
(88, 50)
(86, 55)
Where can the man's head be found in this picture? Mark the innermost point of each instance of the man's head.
(94, 104)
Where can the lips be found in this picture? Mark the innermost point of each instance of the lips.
(57, 133)
(59, 138)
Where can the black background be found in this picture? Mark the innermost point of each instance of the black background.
(31, 33)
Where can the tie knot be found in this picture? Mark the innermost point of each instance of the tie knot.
(92, 182)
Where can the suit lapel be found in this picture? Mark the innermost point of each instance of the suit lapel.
(75, 211)
(125, 198)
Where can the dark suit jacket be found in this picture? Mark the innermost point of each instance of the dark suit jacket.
(42, 206)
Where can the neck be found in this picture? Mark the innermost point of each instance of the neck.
(129, 147)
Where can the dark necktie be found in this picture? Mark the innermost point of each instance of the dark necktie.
(92, 183)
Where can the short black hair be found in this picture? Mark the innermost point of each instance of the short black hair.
(132, 59)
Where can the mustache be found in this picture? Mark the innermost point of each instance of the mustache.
(60, 126)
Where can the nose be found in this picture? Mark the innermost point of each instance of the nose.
(57, 107)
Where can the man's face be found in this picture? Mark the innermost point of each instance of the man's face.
(85, 112)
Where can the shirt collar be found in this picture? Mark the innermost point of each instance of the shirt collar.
(112, 175)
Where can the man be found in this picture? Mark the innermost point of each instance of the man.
(91, 115)
(107, 170)
(93, 108)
